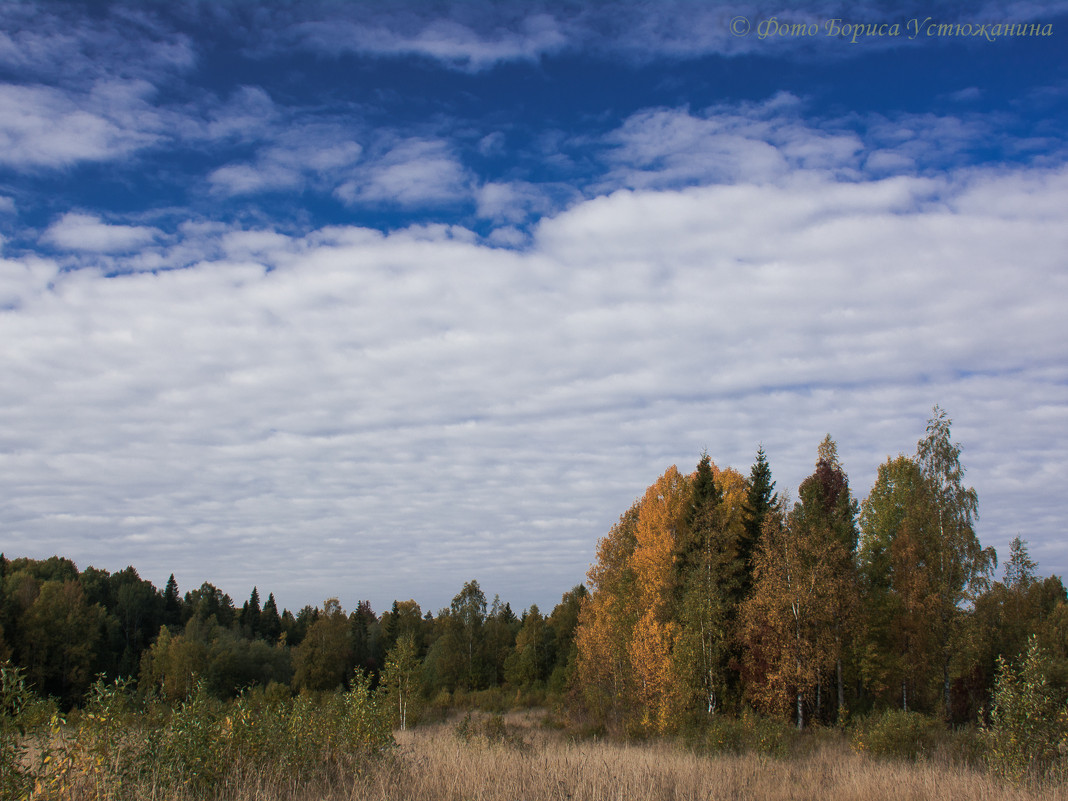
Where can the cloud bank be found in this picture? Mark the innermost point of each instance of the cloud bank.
(391, 414)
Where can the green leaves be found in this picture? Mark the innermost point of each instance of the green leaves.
(1027, 734)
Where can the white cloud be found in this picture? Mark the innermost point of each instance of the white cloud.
(7, 204)
(391, 415)
(513, 202)
(658, 148)
(449, 41)
(44, 127)
(413, 172)
(62, 45)
(87, 232)
(298, 155)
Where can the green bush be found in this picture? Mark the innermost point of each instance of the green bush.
(116, 748)
(751, 733)
(1027, 734)
(896, 733)
(15, 779)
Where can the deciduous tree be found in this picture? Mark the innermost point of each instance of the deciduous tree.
(897, 556)
(963, 567)
(402, 676)
(323, 660)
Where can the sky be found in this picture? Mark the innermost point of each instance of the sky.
(365, 300)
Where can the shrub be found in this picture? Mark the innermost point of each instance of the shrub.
(751, 733)
(1027, 734)
(15, 779)
(489, 730)
(896, 733)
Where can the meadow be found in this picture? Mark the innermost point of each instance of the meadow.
(336, 750)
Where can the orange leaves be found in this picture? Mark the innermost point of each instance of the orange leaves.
(656, 689)
(788, 620)
(661, 522)
(627, 632)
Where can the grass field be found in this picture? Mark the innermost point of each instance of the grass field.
(514, 758)
(479, 756)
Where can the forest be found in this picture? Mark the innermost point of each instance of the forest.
(713, 598)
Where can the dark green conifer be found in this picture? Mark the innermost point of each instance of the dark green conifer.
(760, 501)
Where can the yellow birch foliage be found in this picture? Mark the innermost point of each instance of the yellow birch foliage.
(735, 491)
(607, 616)
(785, 623)
(661, 522)
(626, 635)
(657, 690)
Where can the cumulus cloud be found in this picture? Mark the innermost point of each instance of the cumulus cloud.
(87, 232)
(399, 413)
(514, 201)
(298, 156)
(481, 391)
(45, 127)
(412, 172)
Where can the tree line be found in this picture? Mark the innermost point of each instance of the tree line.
(712, 594)
(64, 628)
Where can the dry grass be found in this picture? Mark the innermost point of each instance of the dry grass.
(532, 764)
(518, 759)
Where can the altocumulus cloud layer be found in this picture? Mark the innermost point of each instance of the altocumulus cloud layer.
(331, 351)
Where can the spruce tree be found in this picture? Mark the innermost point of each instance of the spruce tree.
(707, 584)
(250, 615)
(761, 500)
(270, 622)
(172, 603)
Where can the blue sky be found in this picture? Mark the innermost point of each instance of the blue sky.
(365, 300)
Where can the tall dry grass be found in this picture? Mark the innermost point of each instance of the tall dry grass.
(522, 761)
(515, 758)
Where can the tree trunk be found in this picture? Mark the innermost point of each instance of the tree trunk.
(841, 690)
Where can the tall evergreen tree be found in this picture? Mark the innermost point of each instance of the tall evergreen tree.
(250, 614)
(172, 603)
(760, 500)
(365, 637)
(827, 512)
(709, 578)
(270, 621)
(1020, 569)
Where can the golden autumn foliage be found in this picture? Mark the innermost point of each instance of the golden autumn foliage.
(656, 689)
(626, 635)
(661, 524)
(786, 624)
(655, 633)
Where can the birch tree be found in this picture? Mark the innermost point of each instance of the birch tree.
(962, 567)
